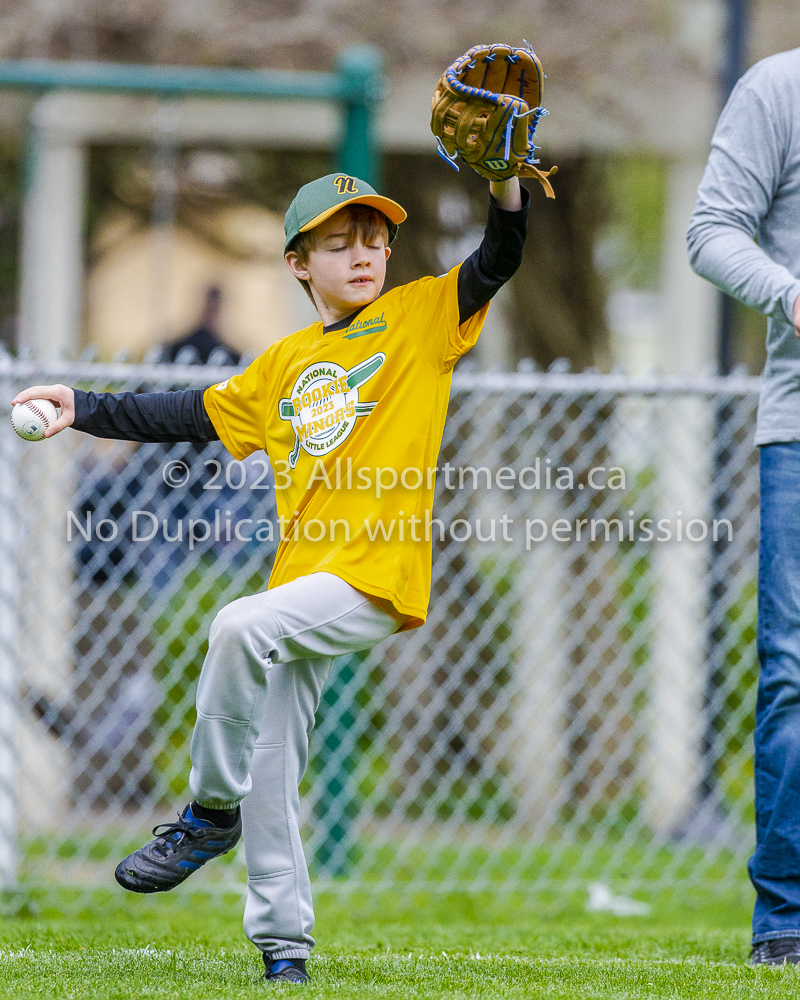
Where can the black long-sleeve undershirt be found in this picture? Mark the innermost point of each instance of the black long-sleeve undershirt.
(181, 416)
(496, 260)
(144, 416)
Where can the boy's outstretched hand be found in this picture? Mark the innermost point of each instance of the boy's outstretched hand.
(59, 395)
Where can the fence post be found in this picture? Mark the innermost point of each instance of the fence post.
(678, 661)
(685, 470)
(9, 693)
(361, 68)
(52, 238)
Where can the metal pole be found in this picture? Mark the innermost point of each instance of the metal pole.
(719, 598)
(162, 220)
(52, 238)
(9, 654)
(736, 38)
(361, 70)
(44, 74)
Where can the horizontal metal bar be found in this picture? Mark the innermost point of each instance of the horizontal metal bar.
(589, 382)
(72, 372)
(47, 74)
(492, 382)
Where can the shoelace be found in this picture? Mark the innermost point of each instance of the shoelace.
(173, 833)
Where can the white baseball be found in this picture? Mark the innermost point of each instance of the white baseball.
(30, 420)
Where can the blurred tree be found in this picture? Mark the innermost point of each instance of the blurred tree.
(600, 48)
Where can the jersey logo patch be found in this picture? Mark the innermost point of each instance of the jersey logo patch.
(324, 405)
(360, 328)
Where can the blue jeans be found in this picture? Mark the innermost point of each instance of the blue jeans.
(775, 866)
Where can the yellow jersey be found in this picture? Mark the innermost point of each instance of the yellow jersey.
(352, 422)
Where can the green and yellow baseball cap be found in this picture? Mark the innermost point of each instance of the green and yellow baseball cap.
(317, 201)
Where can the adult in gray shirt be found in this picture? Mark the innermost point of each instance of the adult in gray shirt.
(751, 191)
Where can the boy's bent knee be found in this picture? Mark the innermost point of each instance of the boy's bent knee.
(232, 623)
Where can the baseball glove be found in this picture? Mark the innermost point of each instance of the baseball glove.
(485, 109)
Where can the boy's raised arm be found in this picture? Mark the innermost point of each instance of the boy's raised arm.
(489, 267)
(128, 416)
(507, 194)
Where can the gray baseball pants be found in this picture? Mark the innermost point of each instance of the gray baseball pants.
(260, 686)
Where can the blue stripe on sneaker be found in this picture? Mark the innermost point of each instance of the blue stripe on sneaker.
(189, 864)
(195, 821)
(205, 855)
(280, 965)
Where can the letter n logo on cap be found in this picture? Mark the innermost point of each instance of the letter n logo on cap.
(345, 185)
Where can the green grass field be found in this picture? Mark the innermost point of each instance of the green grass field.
(456, 948)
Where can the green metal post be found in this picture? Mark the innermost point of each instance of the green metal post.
(361, 76)
(46, 74)
(361, 70)
(338, 806)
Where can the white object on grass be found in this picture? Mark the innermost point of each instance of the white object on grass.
(31, 419)
(603, 900)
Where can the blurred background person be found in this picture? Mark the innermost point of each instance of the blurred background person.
(204, 342)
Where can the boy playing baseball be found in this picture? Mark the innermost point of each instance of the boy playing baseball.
(363, 389)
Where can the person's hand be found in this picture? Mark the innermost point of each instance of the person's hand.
(796, 315)
(508, 196)
(59, 395)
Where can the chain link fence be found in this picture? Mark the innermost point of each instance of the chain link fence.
(577, 708)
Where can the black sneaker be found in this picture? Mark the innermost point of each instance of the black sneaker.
(776, 951)
(286, 970)
(178, 850)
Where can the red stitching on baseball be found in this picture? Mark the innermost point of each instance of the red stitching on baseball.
(39, 413)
